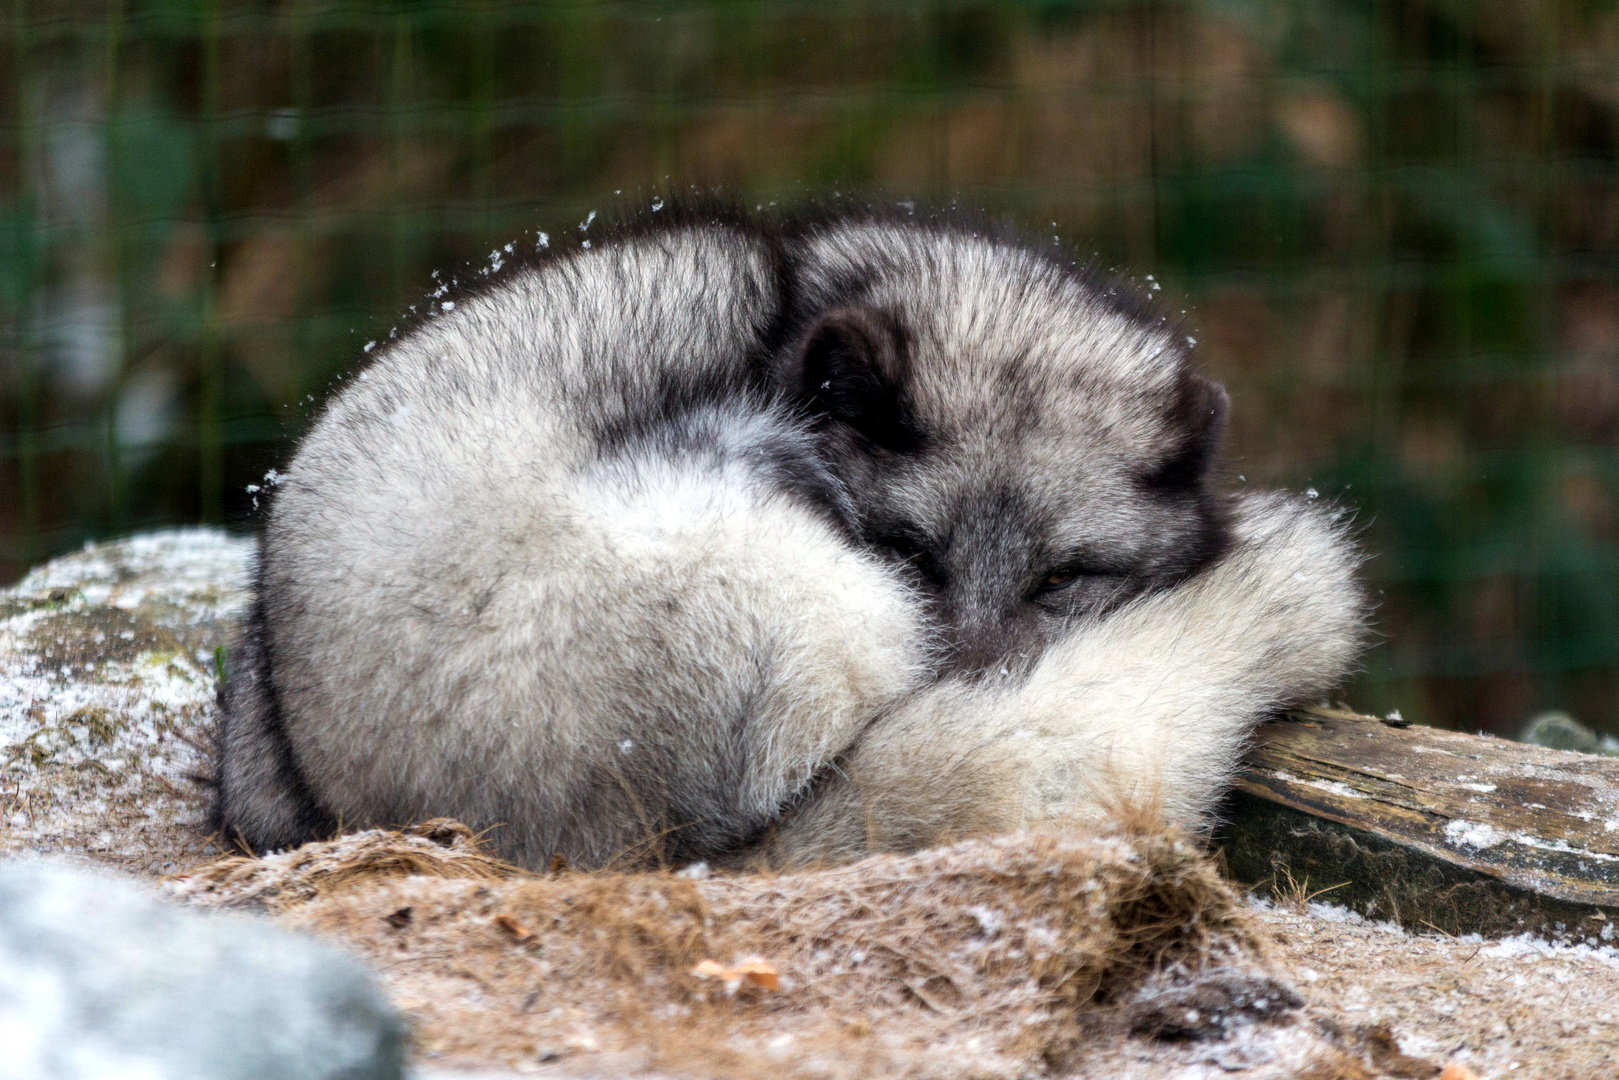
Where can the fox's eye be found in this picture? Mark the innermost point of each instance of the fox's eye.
(912, 548)
(904, 544)
(1058, 578)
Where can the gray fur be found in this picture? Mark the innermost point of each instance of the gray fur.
(1044, 409)
(726, 538)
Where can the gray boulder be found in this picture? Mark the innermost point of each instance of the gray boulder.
(100, 980)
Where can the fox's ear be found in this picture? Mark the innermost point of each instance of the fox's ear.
(851, 368)
(1197, 421)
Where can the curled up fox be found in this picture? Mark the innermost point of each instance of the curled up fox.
(741, 537)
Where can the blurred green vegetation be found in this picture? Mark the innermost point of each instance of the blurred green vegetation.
(1393, 225)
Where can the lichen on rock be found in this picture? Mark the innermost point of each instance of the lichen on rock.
(109, 663)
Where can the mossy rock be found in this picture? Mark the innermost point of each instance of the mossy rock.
(109, 661)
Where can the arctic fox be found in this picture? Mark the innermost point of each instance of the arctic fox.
(726, 537)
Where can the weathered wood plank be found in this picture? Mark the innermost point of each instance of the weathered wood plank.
(1460, 832)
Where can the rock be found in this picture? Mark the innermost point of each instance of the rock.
(109, 659)
(1560, 731)
(99, 979)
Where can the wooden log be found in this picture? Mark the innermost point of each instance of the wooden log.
(1437, 829)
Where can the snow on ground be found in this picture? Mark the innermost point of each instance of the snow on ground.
(1517, 1007)
(109, 660)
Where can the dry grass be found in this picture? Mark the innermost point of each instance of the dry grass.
(1295, 894)
(988, 958)
(439, 848)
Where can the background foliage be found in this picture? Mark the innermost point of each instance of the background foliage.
(1393, 225)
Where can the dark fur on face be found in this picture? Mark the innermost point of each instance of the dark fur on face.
(1028, 447)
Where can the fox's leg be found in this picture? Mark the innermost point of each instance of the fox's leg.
(261, 798)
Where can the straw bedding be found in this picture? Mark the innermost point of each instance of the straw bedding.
(1026, 954)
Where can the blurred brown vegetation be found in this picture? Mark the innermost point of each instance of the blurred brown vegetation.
(1393, 227)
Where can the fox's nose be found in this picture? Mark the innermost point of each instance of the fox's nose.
(981, 647)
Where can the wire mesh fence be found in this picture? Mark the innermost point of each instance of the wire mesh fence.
(1394, 227)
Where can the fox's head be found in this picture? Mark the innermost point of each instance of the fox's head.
(1028, 442)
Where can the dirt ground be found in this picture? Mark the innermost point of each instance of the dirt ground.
(1517, 1007)
(107, 667)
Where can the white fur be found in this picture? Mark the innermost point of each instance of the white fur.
(1147, 708)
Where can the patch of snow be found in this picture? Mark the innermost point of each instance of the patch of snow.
(1335, 913)
(1473, 834)
(1528, 947)
(1333, 786)
(1530, 840)
(988, 919)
